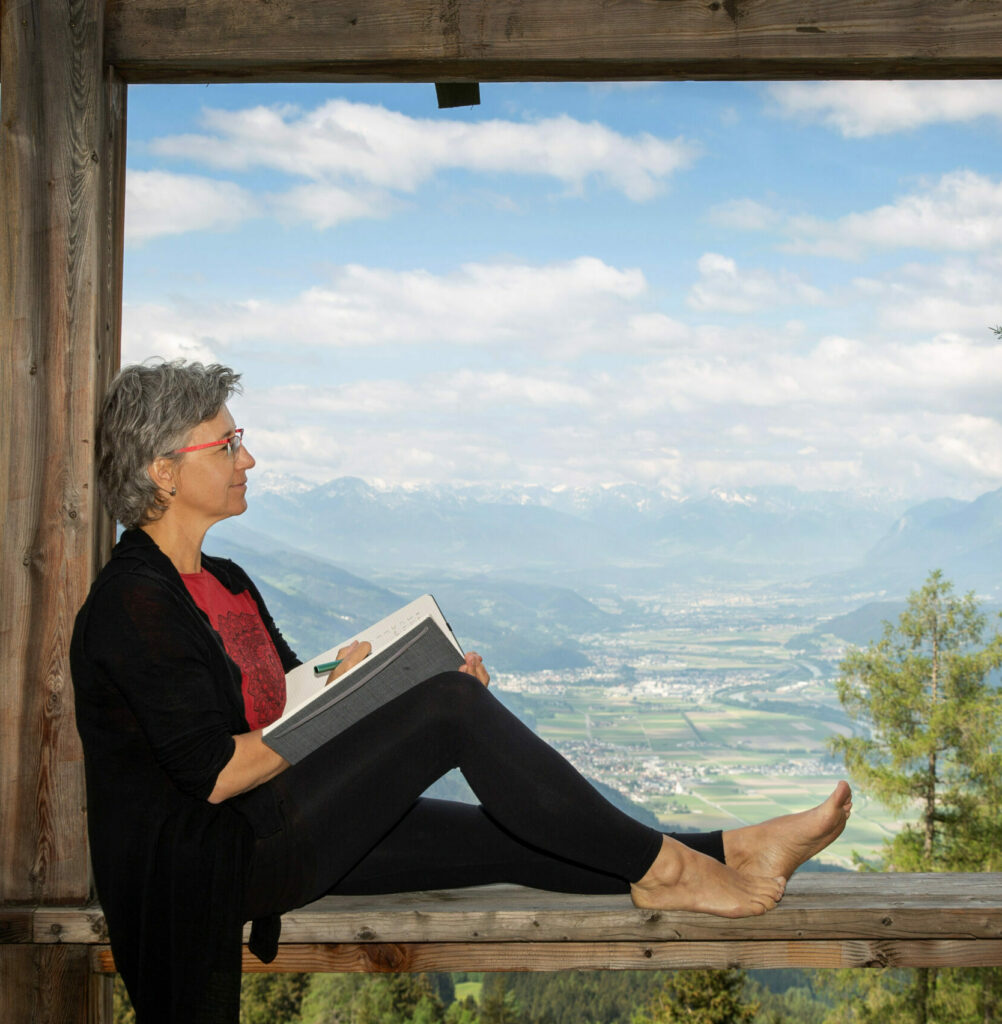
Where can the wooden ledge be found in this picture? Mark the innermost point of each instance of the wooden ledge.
(825, 920)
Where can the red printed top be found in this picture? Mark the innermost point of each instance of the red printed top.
(235, 617)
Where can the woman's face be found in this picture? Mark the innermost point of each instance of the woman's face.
(211, 484)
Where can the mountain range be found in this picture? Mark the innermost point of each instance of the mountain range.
(629, 536)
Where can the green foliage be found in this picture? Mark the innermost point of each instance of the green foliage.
(497, 1004)
(122, 1011)
(583, 997)
(701, 997)
(272, 998)
(936, 744)
(954, 995)
(936, 723)
(463, 1011)
(371, 999)
(796, 1004)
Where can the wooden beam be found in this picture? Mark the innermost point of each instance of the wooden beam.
(404, 957)
(825, 920)
(62, 144)
(558, 40)
(816, 907)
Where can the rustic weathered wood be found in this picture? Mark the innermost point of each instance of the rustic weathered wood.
(836, 920)
(61, 194)
(612, 956)
(62, 143)
(51, 985)
(533, 40)
(816, 906)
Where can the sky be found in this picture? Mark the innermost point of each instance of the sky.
(687, 286)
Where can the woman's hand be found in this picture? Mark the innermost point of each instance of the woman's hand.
(349, 657)
(474, 666)
(251, 764)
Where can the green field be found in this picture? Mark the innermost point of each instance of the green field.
(723, 756)
(468, 988)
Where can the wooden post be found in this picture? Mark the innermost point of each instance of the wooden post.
(62, 166)
(51, 985)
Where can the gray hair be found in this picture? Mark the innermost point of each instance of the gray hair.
(149, 410)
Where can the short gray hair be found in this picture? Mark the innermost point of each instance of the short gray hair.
(149, 410)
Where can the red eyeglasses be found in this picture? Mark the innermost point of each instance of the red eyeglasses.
(232, 444)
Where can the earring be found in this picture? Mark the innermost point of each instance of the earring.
(173, 491)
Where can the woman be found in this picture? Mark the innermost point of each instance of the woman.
(197, 826)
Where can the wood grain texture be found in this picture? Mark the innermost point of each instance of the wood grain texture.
(61, 168)
(825, 920)
(611, 956)
(538, 40)
(51, 985)
(823, 906)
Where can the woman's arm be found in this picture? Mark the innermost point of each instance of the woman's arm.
(252, 763)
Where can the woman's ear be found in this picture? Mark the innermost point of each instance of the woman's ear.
(161, 472)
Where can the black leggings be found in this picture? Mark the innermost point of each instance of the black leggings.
(354, 823)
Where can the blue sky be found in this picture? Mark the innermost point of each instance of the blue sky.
(681, 285)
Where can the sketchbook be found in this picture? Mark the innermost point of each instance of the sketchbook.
(408, 647)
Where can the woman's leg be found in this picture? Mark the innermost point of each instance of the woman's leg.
(348, 795)
(443, 844)
(344, 798)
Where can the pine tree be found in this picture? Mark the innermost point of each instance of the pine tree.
(701, 997)
(272, 998)
(935, 742)
(935, 723)
(497, 1004)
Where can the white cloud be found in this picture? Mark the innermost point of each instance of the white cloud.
(566, 373)
(960, 295)
(723, 287)
(325, 206)
(558, 307)
(961, 212)
(344, 142)
(158, 203)
(745, 215)
(860, 109)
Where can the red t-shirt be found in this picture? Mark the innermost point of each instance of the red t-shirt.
(236, 618)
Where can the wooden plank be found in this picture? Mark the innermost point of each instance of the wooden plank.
(17, 925)
(816, 907)
(537, 40)
(612, 956)
(57, 924)
(62, 144)
(51, 985)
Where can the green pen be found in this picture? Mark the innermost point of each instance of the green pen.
(327, 666)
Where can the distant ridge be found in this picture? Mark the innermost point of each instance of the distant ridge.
(962, 538)
(517, 626)
(776, 533)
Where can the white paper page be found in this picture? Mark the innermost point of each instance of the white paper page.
(301, 685)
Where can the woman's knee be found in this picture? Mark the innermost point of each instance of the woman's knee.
(456, 693)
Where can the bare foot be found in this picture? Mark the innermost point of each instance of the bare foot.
(682, 879)
(779, 846)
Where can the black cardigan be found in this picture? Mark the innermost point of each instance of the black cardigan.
(158, 702)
